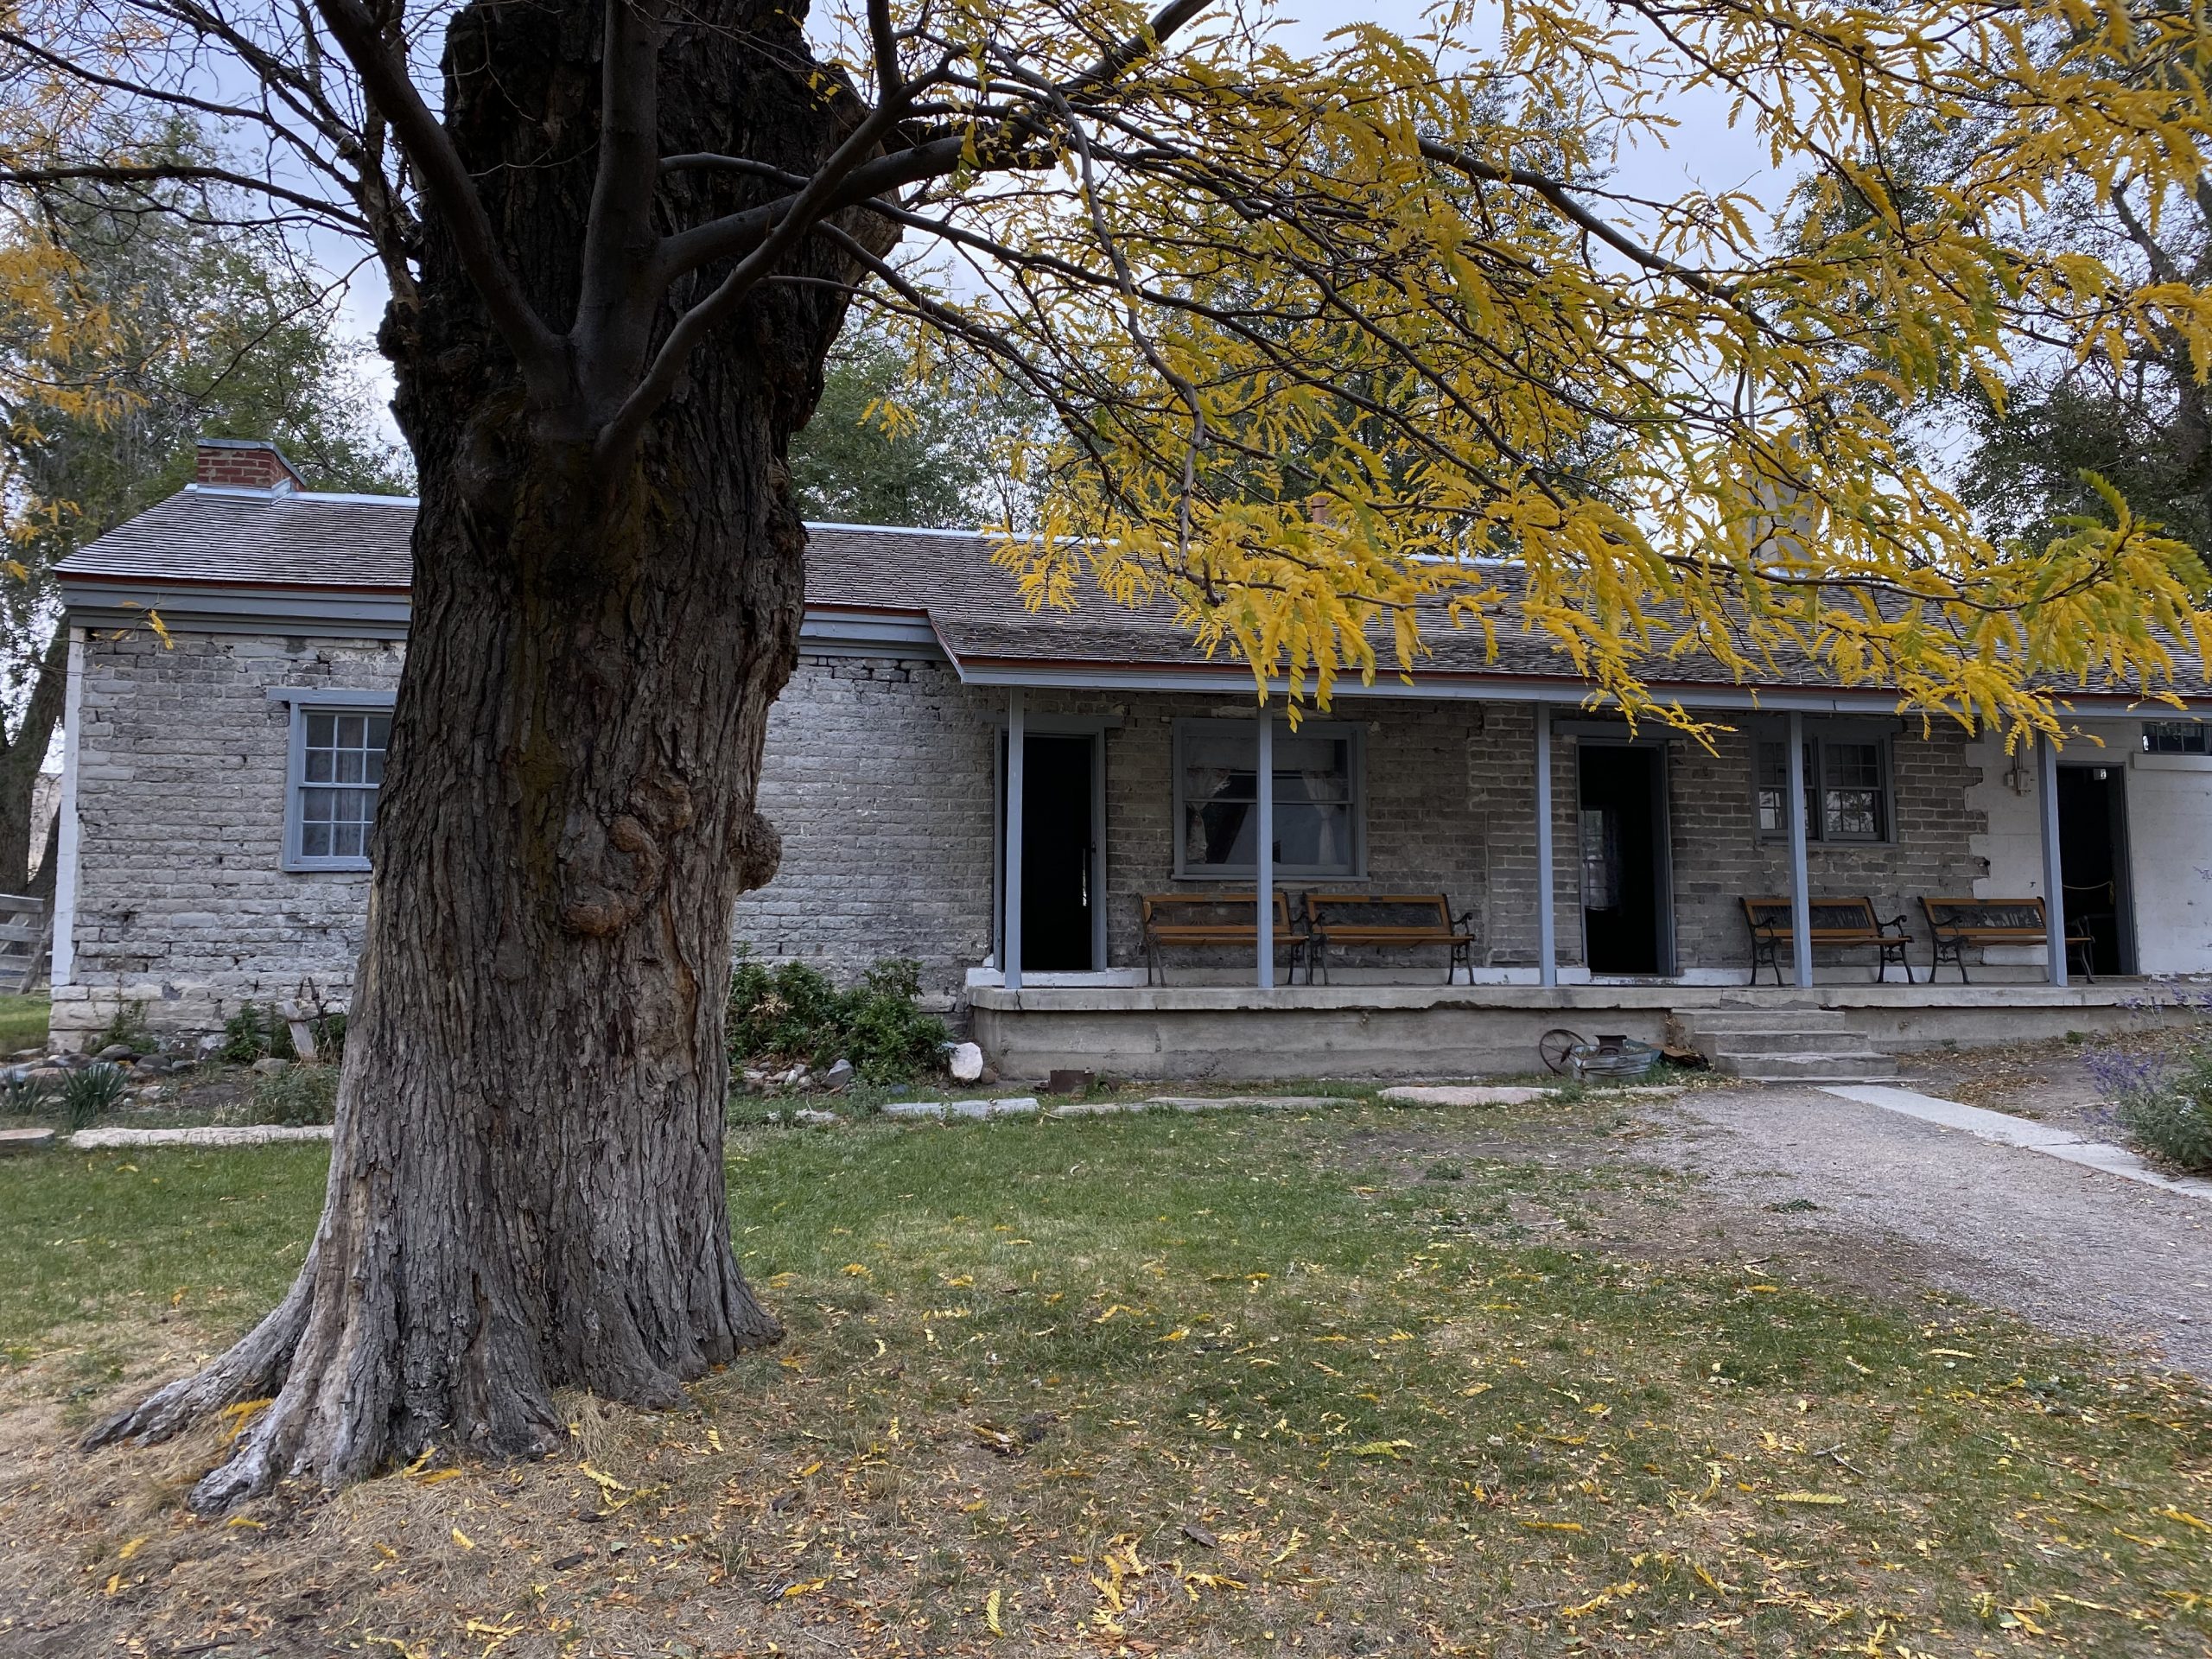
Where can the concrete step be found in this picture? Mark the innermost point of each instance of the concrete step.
(1867, 1067)
(1779, 1042)
(1807, 1018)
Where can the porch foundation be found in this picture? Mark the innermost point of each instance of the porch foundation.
(1231, 1033)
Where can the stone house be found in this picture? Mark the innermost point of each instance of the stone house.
(217, 784)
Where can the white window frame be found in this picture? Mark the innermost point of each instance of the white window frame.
(302, 703)
(1354, 738)
(2203, 732)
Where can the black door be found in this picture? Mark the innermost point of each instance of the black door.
(2093, 862)
(1621, 846)
(1056, 854)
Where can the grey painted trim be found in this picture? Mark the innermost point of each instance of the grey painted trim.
(1263, 846)
(326, 696)
(1552, 690)
(1017, 745)
(67, 840)
(196, 607)
(1546, 919)
(1059, 725)
(1801, 883)
(832, 632)
(290, 858)
(2054, 877)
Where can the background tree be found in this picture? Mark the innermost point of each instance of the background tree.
(1318, 327)
(900, 440)
(177, 327)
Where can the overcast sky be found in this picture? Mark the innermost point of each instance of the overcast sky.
(1704, 152)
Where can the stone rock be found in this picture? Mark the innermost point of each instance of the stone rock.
(208, 1044)
(269, 1065)
(965, 1063)
(29, 1054)
(814, 1119)
(838, 1077)
(229, 1135)
(116, 1052)
(24, 1140)
(1069, 1082)
(1099, 1107)
(1246, 1102)
(1479, 1094)
(1006, 1106)
(47, 1074)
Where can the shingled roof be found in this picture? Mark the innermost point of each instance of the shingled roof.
(211, 540)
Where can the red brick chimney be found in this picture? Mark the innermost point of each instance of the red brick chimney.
(245, 464)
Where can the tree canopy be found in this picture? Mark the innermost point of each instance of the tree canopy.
(1331, 329)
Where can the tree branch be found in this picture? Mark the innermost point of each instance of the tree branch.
(615, 308)
(446, 183)
(180, 171)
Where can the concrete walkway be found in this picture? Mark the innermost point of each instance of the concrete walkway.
(2012, 1131)
(2076, 1248)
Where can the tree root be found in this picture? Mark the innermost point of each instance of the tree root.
(251, 1370)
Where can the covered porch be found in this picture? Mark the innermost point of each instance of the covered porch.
(1603, 874)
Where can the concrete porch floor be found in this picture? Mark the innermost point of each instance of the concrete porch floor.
(1432, 1030)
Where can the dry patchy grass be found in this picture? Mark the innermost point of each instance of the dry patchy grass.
(1369, 1382)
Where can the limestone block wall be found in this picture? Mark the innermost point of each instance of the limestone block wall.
(879, 775)
(180, 765)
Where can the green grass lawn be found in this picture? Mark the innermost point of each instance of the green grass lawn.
(23, 1023)
(1210, 1384)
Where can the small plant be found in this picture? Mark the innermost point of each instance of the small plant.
(2166, 1112)
(1445, 1172)
(23, 1096)
(252, 1033)
(297, 1096)
(127, 1027)
(91, 1093)
(794, 1013)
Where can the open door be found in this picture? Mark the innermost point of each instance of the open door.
(1627, 925)
(2092, 863)
(1059, 856)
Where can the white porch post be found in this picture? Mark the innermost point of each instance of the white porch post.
(1547, 927)
(1801, 898)
(1016, 735)
(2054, 878)
(1264, 863)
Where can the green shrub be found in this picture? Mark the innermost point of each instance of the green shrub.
(127, 1025)
(23, 1096)
(299, 1095)
(792, 1012)
(91, 1093)
(255, 1033)
(2167, 1114)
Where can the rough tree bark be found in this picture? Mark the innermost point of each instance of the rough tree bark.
(526, 1188)
(21, 754)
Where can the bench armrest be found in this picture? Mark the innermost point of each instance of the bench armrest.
(1898, 923)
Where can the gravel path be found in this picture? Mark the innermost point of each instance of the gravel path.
(2074, 1249)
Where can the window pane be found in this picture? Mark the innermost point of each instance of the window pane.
(1774, 789)
(1312, 768)
(1316, 836)
(2175, 737)
(1220, 832)
(1854, 803)
(341, 749)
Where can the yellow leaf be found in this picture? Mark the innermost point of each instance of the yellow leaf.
(806, 1589)
(1553, 1526)
(114, 1583)
(2185, 1517)
(463, 1539)
(248, 1522)
(991, 1613)
(131, 1549)
(1826, 1499)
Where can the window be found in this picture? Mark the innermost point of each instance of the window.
(1317, 829)
(337, 767)
(1846, 790)
(2175, 737)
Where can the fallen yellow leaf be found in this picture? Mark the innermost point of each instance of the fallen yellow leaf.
(991, 1613)
(1828, 1499)
(463, 1539)
(129, 1549)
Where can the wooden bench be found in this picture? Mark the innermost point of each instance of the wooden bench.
(1832, 923)
(1211, 920)
(1383, 919)
(1956, 924)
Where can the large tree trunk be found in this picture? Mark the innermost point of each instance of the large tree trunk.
(526, 1188)
(22, 756)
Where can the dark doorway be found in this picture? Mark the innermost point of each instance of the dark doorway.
(1058, 856)
(1623, 844)
(2093, 862)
